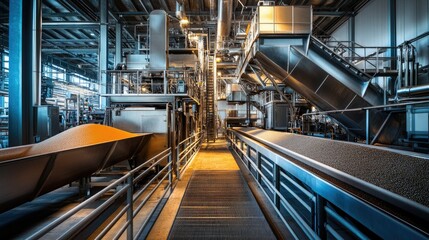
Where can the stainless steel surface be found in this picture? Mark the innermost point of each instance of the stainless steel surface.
(158, 41)
(324, 82)
(285, 19)
(413, 91)
(137, 61)
(140, 120)
(277, 116)
(29, 171)
(223, 21)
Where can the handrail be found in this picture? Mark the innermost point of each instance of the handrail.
(183, 154)
(128, 178)
(365, 108)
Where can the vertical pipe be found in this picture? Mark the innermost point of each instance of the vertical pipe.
(368, 126)
(103, 56)
(407, 66)
(400, 69)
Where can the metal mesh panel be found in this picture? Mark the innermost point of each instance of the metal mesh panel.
(219, 205)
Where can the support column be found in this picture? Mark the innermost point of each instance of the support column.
(24, 15)
(118, 43)
(103, 55)
(352, 35)
(37, 52)
(392, 28)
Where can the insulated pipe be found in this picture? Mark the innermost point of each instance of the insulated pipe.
(223, 21)
(412, 91)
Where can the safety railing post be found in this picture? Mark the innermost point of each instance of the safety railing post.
(170, 171)
(368, 126)
(178, 162)
(320, 216)
(130, 207)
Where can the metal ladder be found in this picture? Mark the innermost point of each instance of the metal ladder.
(210, 103)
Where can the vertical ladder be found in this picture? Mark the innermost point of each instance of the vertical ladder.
(210, 91)
(210, 102)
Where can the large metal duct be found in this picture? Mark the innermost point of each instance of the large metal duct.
(158, 41)
(223, 21)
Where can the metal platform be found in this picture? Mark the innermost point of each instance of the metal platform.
(219, 205)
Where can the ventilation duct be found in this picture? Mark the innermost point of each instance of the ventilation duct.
(223, 22)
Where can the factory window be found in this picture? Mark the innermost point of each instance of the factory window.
(54, 72)
(5, 62)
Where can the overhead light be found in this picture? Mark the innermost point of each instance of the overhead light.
(92, 34)
(184, 21)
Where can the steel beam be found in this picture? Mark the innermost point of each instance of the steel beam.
(70, 25)
(103, 55)
(21, 34)
(79, 50)
(62, 40)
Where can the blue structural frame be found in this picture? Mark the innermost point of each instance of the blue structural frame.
(20, 72)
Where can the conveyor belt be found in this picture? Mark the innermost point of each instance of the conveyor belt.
(399, 179)
(29, 171)
(219, 205)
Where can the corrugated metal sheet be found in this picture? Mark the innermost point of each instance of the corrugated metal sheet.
(342, 33)
(413, 20)
(372, 24)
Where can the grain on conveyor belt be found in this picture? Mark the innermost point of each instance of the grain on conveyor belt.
(80, 136)
(13, 153)
(398, 173)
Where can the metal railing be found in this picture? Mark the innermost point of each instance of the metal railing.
(376, 58)
(186, 150)
(124, 186)
(309, 206)
(368, 138)
(144, 82)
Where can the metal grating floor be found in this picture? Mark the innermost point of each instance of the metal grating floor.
(219, 205)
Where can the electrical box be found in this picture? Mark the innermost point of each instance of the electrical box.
(277, 116)
(181, 86)
(47, 122)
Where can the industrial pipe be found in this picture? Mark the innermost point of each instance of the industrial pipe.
(412, 91)
(223, 21)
